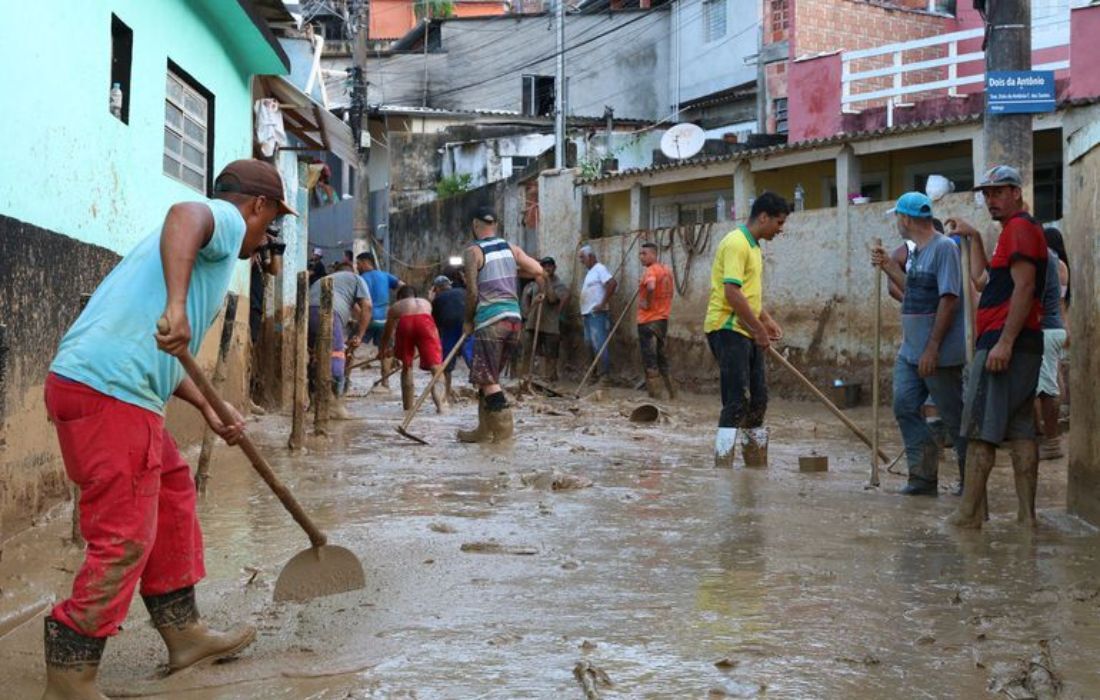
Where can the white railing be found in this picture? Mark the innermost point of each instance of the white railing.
(851, 80)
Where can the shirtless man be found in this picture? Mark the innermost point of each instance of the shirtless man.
(410, 320)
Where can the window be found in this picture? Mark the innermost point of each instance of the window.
(122, 51)
(1047, 190)
(781, 115)
(698, 213)
(538, 95)
(714, 20)
(188, 136)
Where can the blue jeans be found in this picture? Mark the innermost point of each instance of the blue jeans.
(910, 392)
(597, 326)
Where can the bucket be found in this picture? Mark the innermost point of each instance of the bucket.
(645, 413)
(847, 395)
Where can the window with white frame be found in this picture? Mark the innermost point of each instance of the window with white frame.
(188, 112)
(714, 20)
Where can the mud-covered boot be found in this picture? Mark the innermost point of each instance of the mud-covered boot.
(482, 433)
(337, 409)
(72, 662)
(1025, 468)
(972, 510)
(407, 390)
(189, 641)
(501, 423)
(725, 448)
(653, 385)
(669, 387)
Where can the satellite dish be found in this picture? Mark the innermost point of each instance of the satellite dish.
(682, 141)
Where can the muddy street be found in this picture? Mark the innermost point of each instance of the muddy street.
(612, 548)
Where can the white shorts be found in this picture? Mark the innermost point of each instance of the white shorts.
(1054, 342)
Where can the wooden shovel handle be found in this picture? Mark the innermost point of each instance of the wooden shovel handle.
(825, 400)
(584, 379)
(316, 537)
(435, 377)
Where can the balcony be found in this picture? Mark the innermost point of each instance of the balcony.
(929, 78)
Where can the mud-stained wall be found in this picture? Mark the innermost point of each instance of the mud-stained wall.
(42, 275)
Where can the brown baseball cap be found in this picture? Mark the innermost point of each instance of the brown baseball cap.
(256, 178)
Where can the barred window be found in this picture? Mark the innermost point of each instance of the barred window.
(714, 20)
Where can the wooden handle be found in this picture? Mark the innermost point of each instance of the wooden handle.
(876, 372)
(316, 537)
(606, 342)
(534, 344)
(435, 377)
(825, 400)
(968, 298)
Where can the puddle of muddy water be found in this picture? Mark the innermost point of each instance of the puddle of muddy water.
(805, 584)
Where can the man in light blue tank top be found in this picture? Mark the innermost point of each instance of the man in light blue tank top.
(493, 319)
(106, 394)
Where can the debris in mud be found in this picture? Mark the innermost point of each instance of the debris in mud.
(591, 678)
(867, 660)
(253, 574)
(504, 639)
(442, 528)
(1028, 680)
(554, 480)
(588, 646)
(491, 547)
(726, 663)
(926, 639)
(570, 566)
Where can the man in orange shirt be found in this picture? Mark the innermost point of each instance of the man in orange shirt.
(654, 305)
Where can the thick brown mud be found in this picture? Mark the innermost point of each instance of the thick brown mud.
(499, 572)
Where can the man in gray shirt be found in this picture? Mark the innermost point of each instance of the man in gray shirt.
(933, 347)
(348, 292)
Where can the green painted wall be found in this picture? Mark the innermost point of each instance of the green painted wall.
(70, 166)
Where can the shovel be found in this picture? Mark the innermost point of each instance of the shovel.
(403, 428)
(323, 569)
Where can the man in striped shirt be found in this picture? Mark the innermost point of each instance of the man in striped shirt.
(493, 319)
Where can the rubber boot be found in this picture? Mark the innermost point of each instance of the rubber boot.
(407, 390)
(189, 641)
(754, 447)
(1025, 467)
(973, 510)
(725, 448)
(501, 424)
(669, 387)
(652, 385)
(72, 662)
(482, 433)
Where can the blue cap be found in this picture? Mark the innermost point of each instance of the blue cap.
(914, 204)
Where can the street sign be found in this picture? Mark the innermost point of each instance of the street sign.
(1019, 92)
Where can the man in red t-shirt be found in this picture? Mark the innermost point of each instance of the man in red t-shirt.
(999, 395)
(655, 290)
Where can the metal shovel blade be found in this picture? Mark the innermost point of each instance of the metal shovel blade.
(319, 571)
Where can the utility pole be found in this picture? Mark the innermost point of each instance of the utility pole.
(360, 129)
(559, 93)
(1007, 138)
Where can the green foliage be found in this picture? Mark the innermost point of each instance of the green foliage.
(452, 185)
(436, 9)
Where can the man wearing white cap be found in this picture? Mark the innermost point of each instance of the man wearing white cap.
(999, 396)
(933, 346)
(317, 265)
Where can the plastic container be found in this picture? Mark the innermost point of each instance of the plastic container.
(116, 100)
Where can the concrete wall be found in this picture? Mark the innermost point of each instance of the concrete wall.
(633, 60)
(697, 58)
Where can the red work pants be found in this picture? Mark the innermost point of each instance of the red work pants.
(137, 505)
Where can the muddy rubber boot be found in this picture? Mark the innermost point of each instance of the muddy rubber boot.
(501, 424)
(189, 641)
(653, 385)
(1025, 468)
(725, 448)
(407, 390)
(669, 387)
(72, 662)
(973, 509)
(482, 433)
(337, 409)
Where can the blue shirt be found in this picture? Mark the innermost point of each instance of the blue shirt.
(379, 283)
(111, 347)
(934, 271)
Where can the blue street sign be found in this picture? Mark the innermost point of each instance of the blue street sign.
(1019, 92)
